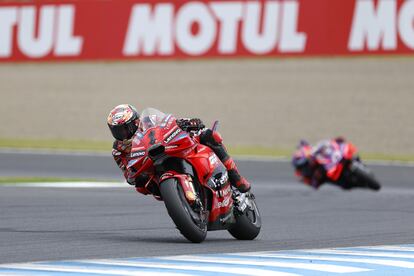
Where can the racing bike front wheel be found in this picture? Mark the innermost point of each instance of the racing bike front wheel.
(189, 220)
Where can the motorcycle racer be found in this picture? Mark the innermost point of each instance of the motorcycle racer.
(312, 163)
(124, 122)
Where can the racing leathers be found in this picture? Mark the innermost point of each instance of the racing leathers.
(208, 137)
(313, 172)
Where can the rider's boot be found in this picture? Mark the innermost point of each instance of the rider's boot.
(236, 180)
(213, 140)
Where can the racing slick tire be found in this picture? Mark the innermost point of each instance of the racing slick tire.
(362, 175)
(248, 224)
(189, 222)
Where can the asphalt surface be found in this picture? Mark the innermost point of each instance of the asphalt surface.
(57, 223)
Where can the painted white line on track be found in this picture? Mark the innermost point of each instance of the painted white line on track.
(216, 268)
(55, 152)
(362, 253)
(308, 266)
(70, 185)
(389, 247)
(401, 264)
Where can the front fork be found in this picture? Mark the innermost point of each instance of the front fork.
(186, 182)
(190, 193)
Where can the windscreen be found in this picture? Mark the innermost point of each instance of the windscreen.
(151, 117)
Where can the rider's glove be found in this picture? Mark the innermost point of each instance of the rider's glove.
(194, 124)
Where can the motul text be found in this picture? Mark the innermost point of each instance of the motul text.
(55, 31)
(131, 29)
(378, 27)
(196, 27)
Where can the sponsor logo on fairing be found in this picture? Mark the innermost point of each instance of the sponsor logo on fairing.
(224, 178)
(171, 147)
(226, 191)
(224, 203)
(132, 163)
(213, 159)
(137, 153)
(172, 135)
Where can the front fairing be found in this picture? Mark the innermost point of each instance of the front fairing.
(157, 128)
(331, 154)
(327, 154)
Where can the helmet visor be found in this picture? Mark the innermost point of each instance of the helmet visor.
(121, 132)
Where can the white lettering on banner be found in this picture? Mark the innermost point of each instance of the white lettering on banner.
(8, 18)
(29, 44)
(50, 35)
(377, 28)
(261, 42)
(406, 23)
(66, 43)
(229, 15)
(291, 40)
(197, 27)
(150, 32)
(201, 41)
(374, 27)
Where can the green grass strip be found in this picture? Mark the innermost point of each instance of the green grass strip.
(387, 157)
(285, 153)
(259, 151)
(106, 146)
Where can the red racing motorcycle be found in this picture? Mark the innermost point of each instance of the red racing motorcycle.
(335, 161)
(191, 180)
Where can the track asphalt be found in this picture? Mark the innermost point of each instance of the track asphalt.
(44, 224)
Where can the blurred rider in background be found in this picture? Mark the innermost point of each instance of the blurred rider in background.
(124, 121)
(308, 161)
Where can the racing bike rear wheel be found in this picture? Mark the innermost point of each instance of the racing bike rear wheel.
(362, 176)
(249, 222)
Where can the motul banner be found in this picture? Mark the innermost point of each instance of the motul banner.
(127, 29)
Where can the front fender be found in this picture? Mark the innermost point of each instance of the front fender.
(185, 181)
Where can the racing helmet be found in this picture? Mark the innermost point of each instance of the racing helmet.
(123, 121)
(301, 159)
